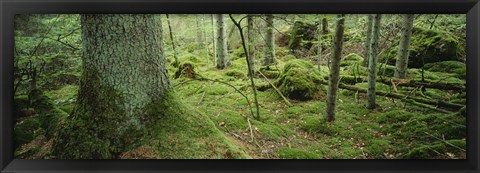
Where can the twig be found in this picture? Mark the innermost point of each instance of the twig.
(448, 143)
(276, 89)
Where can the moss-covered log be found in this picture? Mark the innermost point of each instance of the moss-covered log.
(405, 83)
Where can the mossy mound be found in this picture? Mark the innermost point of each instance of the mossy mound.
(453, 147)
(300, 80)
(294, 153)
(302, 36)
(351, 59)
(432, 45)
(456, 67)
(185, 69)
(188, 57)
(236, 73)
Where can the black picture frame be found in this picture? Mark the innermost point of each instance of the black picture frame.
(8, 8)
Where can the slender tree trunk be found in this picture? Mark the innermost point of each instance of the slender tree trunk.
(214, 41)
(222, 49)
(366, 49)
(322, 37)
(372, 64)
(335, 69)
(124, 74)
(175, 63)
(402, 59)
(205, 36)
(199, 33)
(270, 42)
(251, 39)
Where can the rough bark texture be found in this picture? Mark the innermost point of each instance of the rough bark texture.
(402, 59)
(368, 39)
(372, 61)
(335, 69)
(124, 72)
(270, 42)
(322, 37)
(173, 41)
(251, 44)
(222, 49)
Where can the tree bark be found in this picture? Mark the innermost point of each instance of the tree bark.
(402, 59)
(175, 63)
(214, 41)
(322, 37)
(270, 42)
(368, 39)
(124, 74)
(205, 36)
(335, 69)
(199, 33)
(372, 62)
(251, 44)
(222, 49)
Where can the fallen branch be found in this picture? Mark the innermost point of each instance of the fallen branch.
(276, 89)
(407, 83)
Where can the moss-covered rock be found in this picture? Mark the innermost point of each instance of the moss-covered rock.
(294, 153)
(300, 80)
(456, 67)
(185, 69)
(302, 36)
(236, 73)
(432, 45)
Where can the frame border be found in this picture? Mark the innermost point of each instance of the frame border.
(8, 8)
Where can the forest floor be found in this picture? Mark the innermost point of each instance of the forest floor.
(393, 130)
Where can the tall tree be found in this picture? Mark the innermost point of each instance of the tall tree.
(222, 49)
(205, 36)
(124, 73)
(251, 44)
(199, 33)
(368, 39)
(372, 64)
(214, 41)
(401, 64)
(175, 57)
(270, 42)
(335, 69)
(322, 37)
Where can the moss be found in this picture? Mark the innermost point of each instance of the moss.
(24, 131)
(236, 73)
(456, 67)
(188, 57)
(432, 45)
(432, 150)
(302, 36)
(39, 101)
(377, 147)
(288, 57)
(300, 80)
(294, 153)
(183, 132)
(316, 124)
(351, 59)
(271, 132)
(230, 120)
(395, 116)
(185, 69)
(50, 120)
(217, 89)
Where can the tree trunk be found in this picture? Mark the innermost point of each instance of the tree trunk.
(372, 61)
(199, 33)
(175, 63)
(251, 39)
(368, 39)
(322, 37)
(214, 41)
(402, 59)
(270, 42)
(205, 36)
(124, 74)
(335, 69)
(222, 49)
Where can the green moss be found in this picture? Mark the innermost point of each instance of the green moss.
(395, 116)
(188, 57)
(377, 147)
(302, 36)
(217, 89)
(294, 153)
(456, 67)
(432, 150)
(50, 120)
(39, 101)
(300, 80)
(230, 120)
(24, 131)
(351, 59)
(239, 74)
(271, 132)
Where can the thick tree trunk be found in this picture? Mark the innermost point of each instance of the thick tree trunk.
(372, 61)
(270, 42)
(402, 59)
(335, 69)
(175, 63)
(368, 39)
(222, 49)
(124, 75)
(322, 37)
(251, 44)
